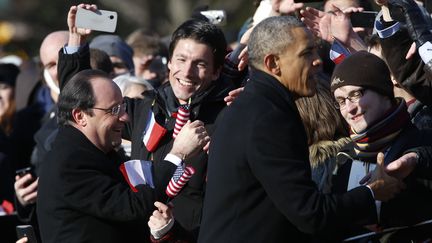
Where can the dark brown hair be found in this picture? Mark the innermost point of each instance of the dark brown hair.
(321, 120)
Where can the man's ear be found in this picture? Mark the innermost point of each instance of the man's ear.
(271, 64)
(79, 117)
(169, 65)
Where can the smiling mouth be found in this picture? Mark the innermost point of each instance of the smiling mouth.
(357, 117)
(185, 83)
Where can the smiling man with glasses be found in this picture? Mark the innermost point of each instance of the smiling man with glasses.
(116, 110)
(379, 122)
(82, 195)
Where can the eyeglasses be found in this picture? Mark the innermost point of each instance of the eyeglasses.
(354, 96)
(115, 111)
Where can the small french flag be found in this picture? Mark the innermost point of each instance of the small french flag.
(338, 52)
(137, 172)
(153, 133)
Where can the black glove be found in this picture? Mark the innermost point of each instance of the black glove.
(408, 12)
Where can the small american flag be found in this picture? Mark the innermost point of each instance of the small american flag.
(180, 178)
(181, 119)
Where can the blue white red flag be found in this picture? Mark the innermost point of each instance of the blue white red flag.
(153, 133)
(180, 178)
(137, 172)
(338, 52)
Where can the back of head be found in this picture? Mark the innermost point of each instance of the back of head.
(52, 43)
(145, 42)
(78, 93)
(203, 32)
(8, 74)
(101, 61)
(365, 70)
(113, 45)
(271, 36)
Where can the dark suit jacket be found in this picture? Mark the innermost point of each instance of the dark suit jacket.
(82, 196)
(259, 185)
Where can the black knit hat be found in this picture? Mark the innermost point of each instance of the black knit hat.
(8, 73)
(365, 70)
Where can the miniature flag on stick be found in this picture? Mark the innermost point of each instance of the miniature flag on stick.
(137, 172)
(180, 178)
(181, 119)
(153, 133)
(338, 52)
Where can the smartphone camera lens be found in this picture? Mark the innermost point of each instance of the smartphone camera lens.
(111, 17)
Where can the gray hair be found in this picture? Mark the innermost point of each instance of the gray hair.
(271, 36)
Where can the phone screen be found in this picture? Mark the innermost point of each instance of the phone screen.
(364, 19)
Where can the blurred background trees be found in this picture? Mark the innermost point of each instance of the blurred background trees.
(24, 23)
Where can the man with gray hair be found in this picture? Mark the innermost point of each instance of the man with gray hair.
(267, 194)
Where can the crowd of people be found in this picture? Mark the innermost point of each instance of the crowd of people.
(306, 129)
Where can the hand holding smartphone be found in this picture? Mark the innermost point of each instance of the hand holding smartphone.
(27, 170)
(100, 20)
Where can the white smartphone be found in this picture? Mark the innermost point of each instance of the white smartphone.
(100, 20)
(216, 17)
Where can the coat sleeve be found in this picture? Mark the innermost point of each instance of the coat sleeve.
(279, 161)
(102, 192)
(412, 74)
(70, 64)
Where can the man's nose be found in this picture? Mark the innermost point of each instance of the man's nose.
(350, 105)
(189, 69)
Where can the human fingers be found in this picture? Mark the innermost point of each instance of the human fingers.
(207, 146)
(31, 198)
(403, 166)
(162, 208)
(243, 53)
(27, 193)
(228, 100)
(310, 12)
(22, 180)
(236, 92)
(366, 178)
(196, 123)
(411, 51)
(22, 240)
(380, 161)
(352, 10)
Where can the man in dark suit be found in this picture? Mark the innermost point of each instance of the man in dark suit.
(259, 183)
(82, 195)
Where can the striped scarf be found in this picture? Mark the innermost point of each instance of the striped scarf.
(380, 136)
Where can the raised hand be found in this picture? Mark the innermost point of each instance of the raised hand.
(161, 220)
(385, 187)
(403, 166)
(77, 35)
(334, 25)
(232, 95)
(190, 140)
(318, 22)
(288, 6)
(26, 189)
